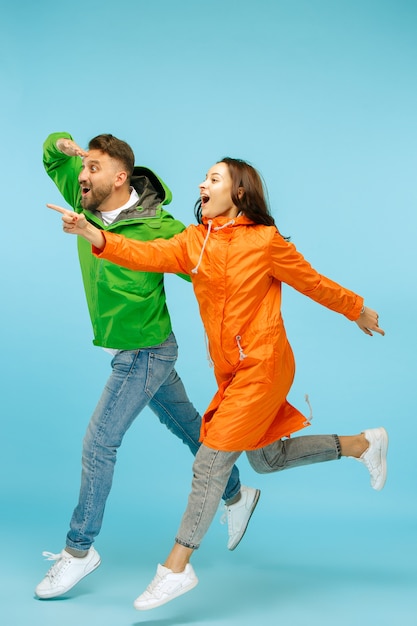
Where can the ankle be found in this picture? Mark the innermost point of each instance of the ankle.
(233, 500)
(175, 567)
(354, 445)
(178, 558)
(79, 554)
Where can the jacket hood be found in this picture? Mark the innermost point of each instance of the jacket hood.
(150, 187)
(153, 194)
(152, 191)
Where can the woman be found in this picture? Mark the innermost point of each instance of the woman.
(238, 261)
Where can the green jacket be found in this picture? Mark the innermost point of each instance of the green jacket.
(127, 309)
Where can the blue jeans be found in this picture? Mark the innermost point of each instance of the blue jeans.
(212, 468)
(139, 378)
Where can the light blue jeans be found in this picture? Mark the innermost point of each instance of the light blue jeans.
(139, 378)
(212, 468)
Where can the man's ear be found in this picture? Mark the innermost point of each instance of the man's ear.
(120, 179)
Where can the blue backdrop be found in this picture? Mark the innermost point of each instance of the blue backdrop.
(321, 96)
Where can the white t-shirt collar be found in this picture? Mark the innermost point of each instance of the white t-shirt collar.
(108, 217)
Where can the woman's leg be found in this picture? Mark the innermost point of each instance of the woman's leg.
(173, 408)
(211, 468)
(288, 453)
(211, 471)
(369, 447)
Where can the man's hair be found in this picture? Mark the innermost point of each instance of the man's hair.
(116, 149)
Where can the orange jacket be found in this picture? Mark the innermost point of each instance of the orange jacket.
(237, 268)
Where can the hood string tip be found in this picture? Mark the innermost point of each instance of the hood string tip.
(310, 417)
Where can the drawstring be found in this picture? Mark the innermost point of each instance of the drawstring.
(209, 359)
(210, 222)
(195, 269)
(242, 355)
(310, 417)
(224, 225)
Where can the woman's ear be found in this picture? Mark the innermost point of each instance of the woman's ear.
(240, 192)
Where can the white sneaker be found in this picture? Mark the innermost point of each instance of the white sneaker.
(67, 571)
(166, 586)
(239, 514)
(375, 456)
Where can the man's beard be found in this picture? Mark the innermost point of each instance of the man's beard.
(96, 197)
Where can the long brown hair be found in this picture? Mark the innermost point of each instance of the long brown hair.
(253, 201)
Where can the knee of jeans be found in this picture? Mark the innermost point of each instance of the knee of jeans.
(90, 444)
(258, 462)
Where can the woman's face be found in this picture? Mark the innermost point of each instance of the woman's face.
(216, 193)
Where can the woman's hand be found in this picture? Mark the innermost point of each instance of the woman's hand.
(76, 224)
(368, 322)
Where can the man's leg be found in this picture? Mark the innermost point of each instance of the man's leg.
(126, 393)
(174, 409)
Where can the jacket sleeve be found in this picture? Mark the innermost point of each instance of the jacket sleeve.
(63, 170)
(172, 227)
(290, 267)
(159, 255)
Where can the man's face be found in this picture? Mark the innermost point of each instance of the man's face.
(97, 178)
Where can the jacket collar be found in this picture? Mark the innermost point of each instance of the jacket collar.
(218, 223)
(221, 221)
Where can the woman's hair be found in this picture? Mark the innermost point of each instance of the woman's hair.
(253, 201)
(116, 149)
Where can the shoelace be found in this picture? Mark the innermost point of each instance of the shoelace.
(223, 519)
(154, 584)
(50, 556)
(59, 561)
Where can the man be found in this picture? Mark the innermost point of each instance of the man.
(130, 319)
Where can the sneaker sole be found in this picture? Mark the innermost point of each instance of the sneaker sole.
(254, 503)
(384, 450)
(52, 595)
(166, 600)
